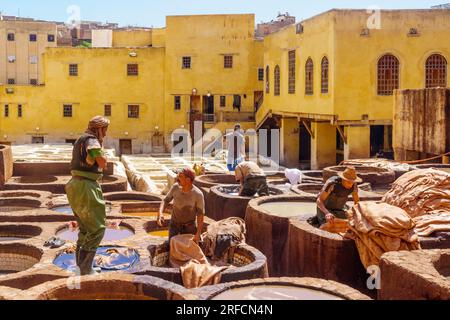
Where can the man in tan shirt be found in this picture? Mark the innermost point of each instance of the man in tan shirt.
(252, 179)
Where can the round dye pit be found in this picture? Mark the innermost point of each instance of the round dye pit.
(19, 204)
(143, 210)
(67, 210)
(108, 258)
(212, 180)
(273, 292)
(35, 179)
(372, 175)
(18, 257)
(18, 232)
(20, 194)
(111, 234)
(290, 209)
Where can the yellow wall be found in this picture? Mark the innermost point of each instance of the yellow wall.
(23, 70)
(132, 38)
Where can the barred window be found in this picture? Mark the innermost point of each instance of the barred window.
(261, 74)
(309, 77)
(51, 38)
(132, 69)
(186, 62)
(73, 69)
(223, 101)
(19, 111)
(276, 74)
(228, 61)
(11, 37)
(436, 71)
(267, 79)
(388, 75)
(291, 58)
(177, 103)
(133, 111)
(6, 111)
(108, 110)
(325, 75)
(33, 37)
(11, 81)
(67, 111)
(33, 82)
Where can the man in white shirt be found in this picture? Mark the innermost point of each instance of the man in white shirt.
(236, 148)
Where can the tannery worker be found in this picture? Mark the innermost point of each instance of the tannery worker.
(332, 201)
(85, 194)
(252, 179)
(236, 148)
(188, 207)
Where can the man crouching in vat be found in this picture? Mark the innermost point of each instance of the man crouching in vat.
(252, 179)
(332, 201)
(188, 207)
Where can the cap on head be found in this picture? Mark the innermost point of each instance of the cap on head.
(237, 126)
(349, 174)
(98, 122)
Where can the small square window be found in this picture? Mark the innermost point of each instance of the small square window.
(33, 59)
(33, 37)
(33, 82)
(11, 81)
(73, 70)
(108, 110)
(11, 37)
(133, 69)
(6, 111)
(260, 74)
(11, 59)
(19, 111)
(133, 111)
(228, 61)
(51, 38)
(187, 62)
(177, 103)
(67, 111)
(223, 101)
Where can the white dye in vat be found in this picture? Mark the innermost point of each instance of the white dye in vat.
(68, 209)
(111, 234)
(290, 209)
(445, 169)
(275, 293)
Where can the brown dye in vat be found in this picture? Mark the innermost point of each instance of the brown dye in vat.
(111, 234)
(273, 292)
(159, 233)
(141, 214)
(5, 239)
(290, 209)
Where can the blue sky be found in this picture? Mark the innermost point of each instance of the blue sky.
(152, 13)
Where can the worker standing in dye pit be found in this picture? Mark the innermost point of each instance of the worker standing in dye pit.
(332, 201)
(188, 207)
(236, 148)
(85, 194)
(252, 179)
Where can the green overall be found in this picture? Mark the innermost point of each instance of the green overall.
(336, 201)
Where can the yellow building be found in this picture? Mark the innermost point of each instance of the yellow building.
(21, 45)
(149, 84)
(331, 79)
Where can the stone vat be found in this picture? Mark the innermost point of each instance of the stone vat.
(372, 175)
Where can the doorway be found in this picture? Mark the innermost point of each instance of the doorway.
(37, 140)
(208, 108)
(305, 148)
(125, 146)
(195, 114)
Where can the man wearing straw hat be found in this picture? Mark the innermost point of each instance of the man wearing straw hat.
(85, 193)
(332, 201)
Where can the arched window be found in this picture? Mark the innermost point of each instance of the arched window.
(267, 79)
(276, 88)
(388, 75)
(309, 77)
(325, 71)
(436, 71)
(291, 72)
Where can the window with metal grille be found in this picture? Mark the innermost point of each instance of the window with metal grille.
(388, 75)
(33, 37)
(67, 111)
(11, 37)
(325, 72)
(133, 111)
(177, 103)
(108, 110)
(73, 70)
(6, 111)
(291, 67)
(33, 82)
(19, 111)
(436, 71)
(11, 81)
(228, 61)
(133, 69)
(309, 77)
(186, 62)
(223, 101)
(267, 79)
(51, 38)
(261, 74)
(276, 80)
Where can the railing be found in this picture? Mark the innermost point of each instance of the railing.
(237, 116)
(210, 118)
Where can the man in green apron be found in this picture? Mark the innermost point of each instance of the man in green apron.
(85, 194)
(332, 201)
